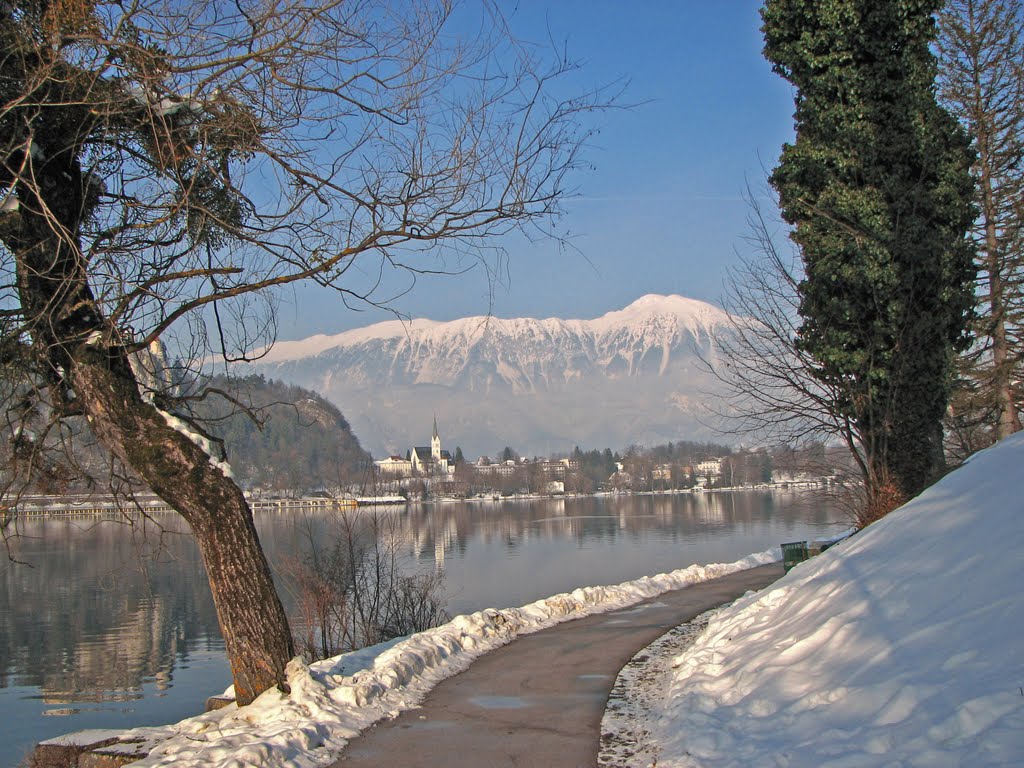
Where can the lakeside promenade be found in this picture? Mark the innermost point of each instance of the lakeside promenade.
(540, 699)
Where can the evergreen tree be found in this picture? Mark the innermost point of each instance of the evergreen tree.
(877, 190)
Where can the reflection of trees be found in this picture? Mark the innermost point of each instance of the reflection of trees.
(434, 533)
(87, 619)
(90, 621)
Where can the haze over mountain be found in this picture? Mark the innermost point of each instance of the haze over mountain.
(629, 376)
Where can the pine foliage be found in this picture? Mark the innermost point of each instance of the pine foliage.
(877, 190)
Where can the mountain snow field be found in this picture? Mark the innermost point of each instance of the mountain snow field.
(902, 646)
(656, 317)
(539, 385)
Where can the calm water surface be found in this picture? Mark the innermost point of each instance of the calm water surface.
(108, 625)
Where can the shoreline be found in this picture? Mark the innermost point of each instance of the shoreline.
(106, 505)
(326, 709)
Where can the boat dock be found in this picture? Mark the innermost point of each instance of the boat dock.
(101, 506)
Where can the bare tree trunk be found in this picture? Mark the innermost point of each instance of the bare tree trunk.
(86, 365)
(252, 620)
(980, 45)
(1007, 420)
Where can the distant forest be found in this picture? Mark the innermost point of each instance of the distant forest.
(596, 466)
(294, 440)
(282, 439)
(278, 437)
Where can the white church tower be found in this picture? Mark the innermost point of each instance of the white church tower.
(435, 444)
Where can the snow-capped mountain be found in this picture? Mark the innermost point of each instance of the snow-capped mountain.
(631, 375)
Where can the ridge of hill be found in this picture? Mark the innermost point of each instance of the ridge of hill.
(633, 375)
(303, 442)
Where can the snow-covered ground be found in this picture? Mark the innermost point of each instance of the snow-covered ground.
(331, 701)
(903, 646)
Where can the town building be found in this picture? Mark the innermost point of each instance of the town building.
(422, 461)
(485, 467)
(394, 466)
(711, 468)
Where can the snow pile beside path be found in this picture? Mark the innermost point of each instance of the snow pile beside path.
(901, 646)
(329, 703)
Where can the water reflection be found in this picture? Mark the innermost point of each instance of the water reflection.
(497, 554)
(110, 625)
(99, 607)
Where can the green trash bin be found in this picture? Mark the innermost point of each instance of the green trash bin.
(793, 552)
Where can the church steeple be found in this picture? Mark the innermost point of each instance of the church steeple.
(435, 443)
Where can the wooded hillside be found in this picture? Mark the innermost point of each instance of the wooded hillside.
(298, 441)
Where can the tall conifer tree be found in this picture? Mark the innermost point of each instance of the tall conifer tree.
(981, 77)
(877, 190)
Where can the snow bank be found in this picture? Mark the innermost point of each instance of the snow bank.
(901, 646)
(332, 701)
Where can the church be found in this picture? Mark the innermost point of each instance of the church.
(422, 460)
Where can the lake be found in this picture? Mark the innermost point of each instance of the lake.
(109, 625)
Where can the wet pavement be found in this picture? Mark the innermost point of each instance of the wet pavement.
(539, 700)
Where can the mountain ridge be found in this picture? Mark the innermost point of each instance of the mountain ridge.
(630, 375)
(650, 304)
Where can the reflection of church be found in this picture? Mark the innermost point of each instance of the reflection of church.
(421, 460)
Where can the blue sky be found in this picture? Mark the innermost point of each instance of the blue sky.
(662, 211)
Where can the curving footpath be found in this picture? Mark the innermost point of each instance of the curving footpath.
(539, 700)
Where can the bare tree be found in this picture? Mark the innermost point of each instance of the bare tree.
(770, 390)
(166, 164)
(981, 77)
(353, 586)
(770, 393)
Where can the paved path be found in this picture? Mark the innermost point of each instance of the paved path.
(539, 700)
